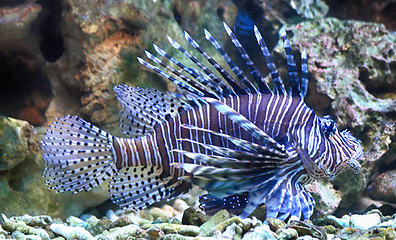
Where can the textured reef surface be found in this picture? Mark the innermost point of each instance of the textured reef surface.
(66, 56)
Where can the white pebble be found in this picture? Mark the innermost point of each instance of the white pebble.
(33, 237)
(71, 232)
(110, 214)
(364, 222)
(344, 221)
(259, 233)
(180, 205)
(74, 221)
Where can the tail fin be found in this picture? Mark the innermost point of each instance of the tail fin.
(78, 155)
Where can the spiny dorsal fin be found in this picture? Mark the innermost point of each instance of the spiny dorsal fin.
(143, 108)
(182, 86)
(263, 87)
(291, 67)
(249, 63)
(277, 80)
(201, 82)
(304, 73)
(230, 80)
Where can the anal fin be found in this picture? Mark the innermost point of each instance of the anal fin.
(140, 186)
(137, 187)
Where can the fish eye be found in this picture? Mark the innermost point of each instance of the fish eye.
(329, 127)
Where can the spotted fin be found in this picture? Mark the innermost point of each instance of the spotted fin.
(233, 204)
(143, 108)
(78, 156)
(140, 186)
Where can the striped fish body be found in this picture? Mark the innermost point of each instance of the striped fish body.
(245, 143)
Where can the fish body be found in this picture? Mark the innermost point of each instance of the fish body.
(243, 142)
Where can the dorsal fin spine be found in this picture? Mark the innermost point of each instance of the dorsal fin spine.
(277, 80)
(291, 67)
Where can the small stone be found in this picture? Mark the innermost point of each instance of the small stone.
(287, 234)
(101, 226)
(364, 222)
(223, 225)
(121, 222)
(51, 234)
(18, 235)
(138, 220)
(169, 228)
(259, 232)
(343, 222)
(91, 220)
(190, 231)
(193, 217)
(39, 232)
(74, 221)
(232, 232)
(181, 237)
(180, 205)
(328, 221)
(169, 211)
(126, 232)
(249, 223)
(216, 219)
(36, 221)
(39, 235)
(10, 226)
(32, 237)
(160, 214)
(21, 226)
(110, 214)
(155, 232)
(307, 228)
(331, 229)
(346, 233)
(275, 224)
(71, 232)
(40, 221)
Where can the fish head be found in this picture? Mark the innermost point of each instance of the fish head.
(341, 148)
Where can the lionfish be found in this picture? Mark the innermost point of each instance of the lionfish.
(240, 140)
